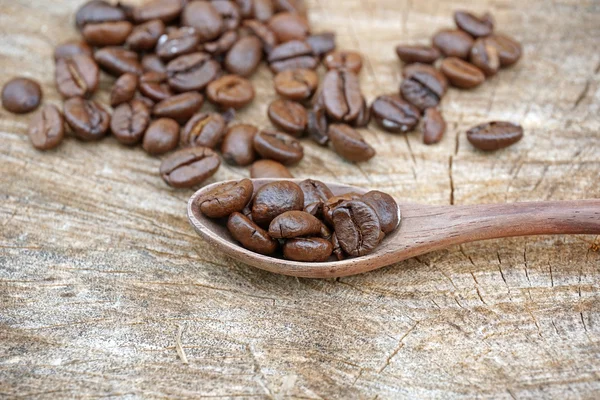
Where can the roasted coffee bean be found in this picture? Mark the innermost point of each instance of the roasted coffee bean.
(348, 60)
(97, 11)
(245, 56)
(274, 199)
(318, 125)
(177, 42)
(335, 201)
(485, 57)
(223, 44)
(364, 115)
(107, 33)
(21, 95)
(321, 43)
(473, 25)
(423, 86)
(434, 126)
(46, 128)
(72, 48)
(293, 224)
(288, 116)
(385, 207)
(296, 84)
(357, 228)
(124, 89)
(269, 169)
(130, 121)
(204, 129)
(204, 17)
(262, 10)
(417, 54)
(461, 74)
(307, 249)
(238, 145)
(278, 146)
(153, 63)
(292, 55)
(225, 199)
(189, 167)
(341, 95)
(453, 43)
(164, 10)
(192, 72)
(509, 50)
(289, 26)
(337, 249)
(295, 6)
(261, 31)
(394, 114)
(349, 144)
(230, 13)
(250, 235)
(161, 136)
(118, 61)
(154, 86)
(77, 76)
(88, 120)
(144, 37)
(180, 107)
(494, 135)
(230, 91)
(315, 192)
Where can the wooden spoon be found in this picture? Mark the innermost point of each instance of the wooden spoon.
(423, 229)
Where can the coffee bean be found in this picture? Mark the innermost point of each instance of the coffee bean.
(222, 45)
(357, 228)
(144, 37)
(417, 54)
(72, 48)
(385, 207)
(509, 50)
(262, 10)
(423, 86)
(461, 74)
(230, 13)
(394, 114)
(296, 84)
(347, 60)
(96, 11)
(238, 145)
(349, 144)
(269, 169)
(153, 63)
(21, 95)
(341, 95)
(204, 17)
(295, 6)
(453, 43)
(192, 72)
(261, 31)
(124, 89)
(307, 249)
(250, 235)
(274, 199)
(107, 33)
(76, 76)
(245, 56)
(473, 25)
(364, 115)
(154, 85)
(434, 126)
(189, 167)
(321, 43)
(317, 125)
(180, 107)
(164, 10)
(88, 120)
(204, 129)
(315, 192)
(130, 121)
(335, 201)
(230, 91)
(292, 224)
(177, 42)
(289, 26)
(288, 116)
(225, 199)
(46, 128)
(485, 57)
(118, 61)
(494, 135)
(161, 136)
(278, 146)
(292, 55)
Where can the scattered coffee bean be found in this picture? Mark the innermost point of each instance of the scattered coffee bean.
(88, 120)
(153, 63)
(230, 13)
(485, 57)
(292, 55)
(76, 76)
(509, 50)
(341, 95)
(164, 10)
(434, 126)
(315, 192)
(494, 135)
(46, 128)
(318, 126)
(347, 60)
(154, 86)
(192, 72)
(289, 26)
(118, 61)
(130, 121)
(107, 33)
(72, 48)
(269, 169)
(349, 144)
(394, 114)
(417, 54)
(461, 74)
(226, 199)
(423, 86)
(189, 167)
(230, 91)
(180, 107)
(385, 207)
(222, 45)
(177, 42)
(278, 146)
(144, 37)
(238, 145)
(293, 224)
(21, 95)
(204, 129)
(161, 136)
(473, 25)
(321, 43)
(357, 228)
(97, 11)
(288, 116)
(296, 84)
(204, 17)
(274, 199)
(453, 43)
(245, 56)
(261, 31)
(250, 235)
(124, 89)
(307, 249)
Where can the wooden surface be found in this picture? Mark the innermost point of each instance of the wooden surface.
(105, 290)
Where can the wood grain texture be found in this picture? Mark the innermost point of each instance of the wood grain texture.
(99, 272)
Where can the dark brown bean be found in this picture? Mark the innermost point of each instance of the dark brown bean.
(204, 129)
(161, 136)
(46, 128)
(230, 13)
(394, 114)
(349, 144)
(230, 91)
(77, 76)
(453, 43)
(107, 33)
(164, 10)
(154, 86)
(295, 6)
(423, 86)
(494, 135)
(189, 167)
(292, 55)
(434, 126)
(238, 145)
(509, 50)
(177, 42)
(296, 84)
(278, 146)
(180, 107)
(204, 17)
(124, 89)
(321, 43)
(250, 235)
(269, 169)
(225, 199)
(153, 63)
(88, 120)
(245, 56)
(385, 207)
(341, 95)
(417, 54)
(474, 25)
(261, 31)
(192, 72)
(318, 125)
(71, 48)
(21, 95)
(335, 201)
(144, 37)
(274, 199)
(96, 11)
(289, 26)
(461, 74)
(485, 57)
(348, 60)
(130, 121)
(288, 116)
(315, 192)
(292, 224)
(118, 61)
(222, 45)
(357, 228)
(307, 249)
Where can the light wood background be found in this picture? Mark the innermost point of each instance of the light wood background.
(99, 269)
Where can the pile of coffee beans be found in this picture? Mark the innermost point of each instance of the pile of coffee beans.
(305, 221)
